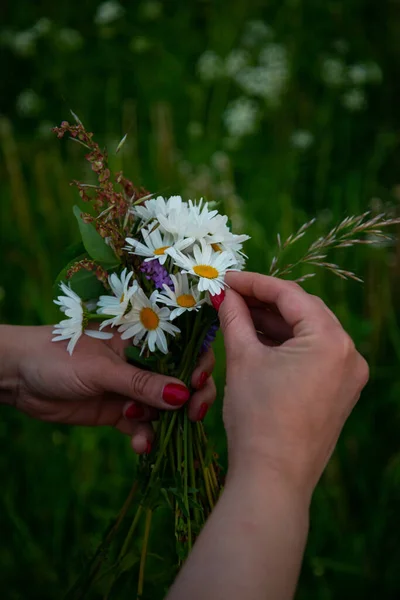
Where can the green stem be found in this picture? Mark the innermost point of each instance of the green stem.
(96, 317)
(179, 447)
(186, 426)
(162, 449)
(190, 355)
(202, 434)
(172, 458)
(196, 511)
(130, 533)
(149, 514)
(81, 587)
(165, 434)
(205, 471)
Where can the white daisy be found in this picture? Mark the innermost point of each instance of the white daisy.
(153, 208)
(222, 235)
(192, 220)
(203, 222)
(209, 266)
(231, 243)
(183, 298)
(155, 245)
(72, 328)
(177, 222)
(149, 321)
(118, 304)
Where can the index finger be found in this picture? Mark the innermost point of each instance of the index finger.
(303, 312)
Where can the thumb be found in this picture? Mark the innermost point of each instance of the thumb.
(236, 324)
(146, 387)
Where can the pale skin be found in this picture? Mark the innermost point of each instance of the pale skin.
(293, 377)
(94, 386)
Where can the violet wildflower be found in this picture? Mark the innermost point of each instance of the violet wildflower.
(157, 273)
(210, 337)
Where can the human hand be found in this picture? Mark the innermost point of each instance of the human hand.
(293, 377)
(94, 386)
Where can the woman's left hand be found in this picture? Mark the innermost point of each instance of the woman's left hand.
(94, 386)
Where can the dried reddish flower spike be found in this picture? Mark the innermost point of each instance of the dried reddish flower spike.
(89, 265)
(113, 220)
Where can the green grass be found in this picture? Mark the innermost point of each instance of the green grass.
(61, 486)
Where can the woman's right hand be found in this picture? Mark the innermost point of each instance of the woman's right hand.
(293, 377)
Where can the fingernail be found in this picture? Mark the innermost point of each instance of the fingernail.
(202, 380)
(134, 411)
(148, 448)
(202, 411)
(217, 300)
(175, 394)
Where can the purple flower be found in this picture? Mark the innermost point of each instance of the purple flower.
(156, 273)
(210, 337)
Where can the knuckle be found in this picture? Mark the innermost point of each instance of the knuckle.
(295, 287)
(207, 361)
(319, 301)
(362, 371)
(212, 360)
(341, 344)
(347, 346)
(140, 383)
(210, 392)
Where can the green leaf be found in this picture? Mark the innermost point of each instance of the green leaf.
(128, 561)
(73, 251)
(133, 354)
(86, 285)
(94, 244)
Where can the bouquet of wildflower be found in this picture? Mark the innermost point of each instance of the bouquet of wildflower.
(149, 269)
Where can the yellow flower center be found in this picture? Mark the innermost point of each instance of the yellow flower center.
(161, 251)
(206, 271)
(216, 247)
(122, 298)
(186, 300)
(149, 318)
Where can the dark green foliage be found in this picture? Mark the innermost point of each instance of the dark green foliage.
(94, 244)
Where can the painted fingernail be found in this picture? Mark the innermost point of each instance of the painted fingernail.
(175, 394)
(134, 411)
(202, 380)
(148, 447)
(202, 411)
(217, 300)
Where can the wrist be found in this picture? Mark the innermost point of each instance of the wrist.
(260, 477)
(9, 367)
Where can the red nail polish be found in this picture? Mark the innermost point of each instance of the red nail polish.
(148, 448)
(175, 394)
(217, 299)
(202, 411)
(134, 411)
(202, 380)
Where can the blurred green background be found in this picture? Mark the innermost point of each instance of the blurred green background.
(280, 110)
